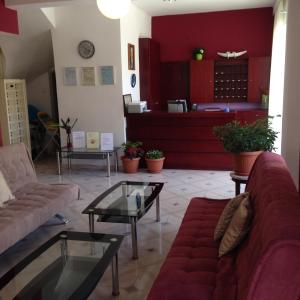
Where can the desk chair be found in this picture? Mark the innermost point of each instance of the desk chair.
(52, 131)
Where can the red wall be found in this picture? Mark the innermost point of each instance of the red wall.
(249, 29)
(8, 19)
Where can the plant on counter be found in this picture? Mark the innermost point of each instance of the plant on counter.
(155, 160)
(246, 140)
(198, 53)
(133, 152)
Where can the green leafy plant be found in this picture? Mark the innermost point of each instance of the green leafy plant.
(154, 154)
(257, 136)
(133, 149)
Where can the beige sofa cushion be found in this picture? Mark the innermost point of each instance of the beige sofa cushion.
(237, 229)
(35, 204)
(5, 192)
(227, 215)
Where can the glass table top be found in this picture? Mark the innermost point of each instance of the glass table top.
(126, 198)
(87, 150)
(68, 266)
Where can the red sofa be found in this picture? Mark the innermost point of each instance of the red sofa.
(266, 266)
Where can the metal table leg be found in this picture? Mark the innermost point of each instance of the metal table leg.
(91, 222)
(134, 238)
(108, 164)
(58, 158)
(157, 209)
(116, 160)
(115, 276)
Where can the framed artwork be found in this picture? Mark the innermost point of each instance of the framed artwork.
(131, 57)
(70, 76)
(106, 75)
(126, 99)
(88, 76)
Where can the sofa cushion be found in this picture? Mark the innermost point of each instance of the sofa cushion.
(227, 215)
(5, 192)
(16, 166)
(191, 266)
(35, 203)
(237, 229)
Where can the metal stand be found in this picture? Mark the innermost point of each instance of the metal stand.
(134, 238)
(115, 276)
(58, 158)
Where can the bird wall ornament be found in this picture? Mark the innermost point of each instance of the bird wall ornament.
(230, 54)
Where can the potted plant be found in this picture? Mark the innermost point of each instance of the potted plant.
(246, 142)
(154, 160)
(198, 53)
(132, 154)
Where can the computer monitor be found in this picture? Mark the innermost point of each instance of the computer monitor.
(177, 105)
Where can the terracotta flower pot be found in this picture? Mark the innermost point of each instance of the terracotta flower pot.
(130, 165)
(243, 162)
(155, 165)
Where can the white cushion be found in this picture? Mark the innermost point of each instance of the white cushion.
(5, 192)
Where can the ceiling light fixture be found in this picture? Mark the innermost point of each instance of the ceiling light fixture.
(114, 9)
(170, 1)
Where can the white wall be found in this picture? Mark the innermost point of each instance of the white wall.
(38, 93)
(291, 104)
(100, 107)
(134, 25)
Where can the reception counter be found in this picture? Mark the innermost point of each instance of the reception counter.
(187, 139)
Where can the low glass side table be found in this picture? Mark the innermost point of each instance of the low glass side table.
(125, 202)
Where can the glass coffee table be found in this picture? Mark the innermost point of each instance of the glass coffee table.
(125, 202)
(68, 266)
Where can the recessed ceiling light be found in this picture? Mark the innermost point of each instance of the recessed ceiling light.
(170, 1)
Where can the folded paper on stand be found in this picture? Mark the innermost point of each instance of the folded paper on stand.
(92, 140)
(78, 139)
(107, 141)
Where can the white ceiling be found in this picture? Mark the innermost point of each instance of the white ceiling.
(166, 7)
(161, 7)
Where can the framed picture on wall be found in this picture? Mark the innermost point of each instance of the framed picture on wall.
(70, 76)
(88, 76)
(131, 57)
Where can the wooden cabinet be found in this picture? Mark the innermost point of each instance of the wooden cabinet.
(174, 81)
(258, 77)
(202, 81)
(149, 58)
(13, 112)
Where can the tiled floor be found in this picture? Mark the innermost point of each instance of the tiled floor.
(154, 239)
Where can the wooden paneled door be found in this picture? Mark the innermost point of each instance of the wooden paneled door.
(258, 77)
(202, 81)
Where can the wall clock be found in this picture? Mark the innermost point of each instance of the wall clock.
(86, 49)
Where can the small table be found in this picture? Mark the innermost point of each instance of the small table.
(85, 153)
(68, 266)
(238, 180)
(125, 202)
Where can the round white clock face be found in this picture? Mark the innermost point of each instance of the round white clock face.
(86, 49)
